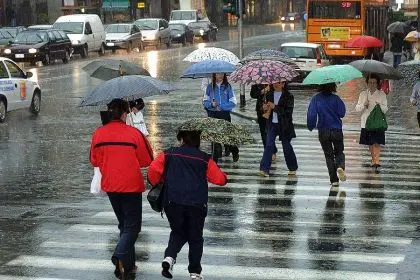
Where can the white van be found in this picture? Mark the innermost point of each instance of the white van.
(185, 16)
(85, 31)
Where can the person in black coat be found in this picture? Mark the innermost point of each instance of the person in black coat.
(397, 40)
(280, 123)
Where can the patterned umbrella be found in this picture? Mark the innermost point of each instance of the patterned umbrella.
(263, 72)
(206, 68)
(219, 131)
(107, 69)
(212, 53)
(364, 42)
(126, 87)
(267, 54)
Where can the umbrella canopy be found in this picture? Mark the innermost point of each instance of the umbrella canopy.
(219, 131)
(398, 27)
(126, 87)
(212, 53)
(267, 54)
(364, 42)
(383, 70)
(413, 36)
(107, 69)
(263, 72)
(206, 68)
(332, 74)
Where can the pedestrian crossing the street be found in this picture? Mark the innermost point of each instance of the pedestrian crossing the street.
(277, 227)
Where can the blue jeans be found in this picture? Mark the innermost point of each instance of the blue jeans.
(270, 148)
(128, 209)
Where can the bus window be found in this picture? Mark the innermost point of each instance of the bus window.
(334, 10)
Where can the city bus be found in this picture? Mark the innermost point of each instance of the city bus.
(332, 23)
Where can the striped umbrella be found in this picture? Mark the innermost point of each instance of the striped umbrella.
(263, 72)
(126, 87)
(212, 54)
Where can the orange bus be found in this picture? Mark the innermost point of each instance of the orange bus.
(332, 23)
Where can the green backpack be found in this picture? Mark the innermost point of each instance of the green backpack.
(376, 120)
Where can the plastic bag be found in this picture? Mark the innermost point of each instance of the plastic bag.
(376, 120)
(95, 185)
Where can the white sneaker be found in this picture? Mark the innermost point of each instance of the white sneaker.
(168, 267)
(341, 174)
(196, 276)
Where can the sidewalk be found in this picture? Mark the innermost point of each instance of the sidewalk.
(401, 116)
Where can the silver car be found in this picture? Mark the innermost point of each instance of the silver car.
(123, 36)
(155, 32)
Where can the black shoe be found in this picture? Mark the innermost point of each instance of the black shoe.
(227, 153)
(235, 157)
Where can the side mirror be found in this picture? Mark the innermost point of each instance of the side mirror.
(161, 28)
(29, 74)
(10, 42)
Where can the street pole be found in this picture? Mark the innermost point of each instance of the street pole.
(418, 15)
(241, 49)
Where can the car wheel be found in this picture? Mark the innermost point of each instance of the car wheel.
(3, 110)
(46, 60)
(66, 58)
(129, 47)
(36, 103)
(84, 53)
(101, 51)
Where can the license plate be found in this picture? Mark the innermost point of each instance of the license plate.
(19, 56)
(110, 44)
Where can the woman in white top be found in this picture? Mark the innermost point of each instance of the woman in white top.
(135, 118)
(367, 101)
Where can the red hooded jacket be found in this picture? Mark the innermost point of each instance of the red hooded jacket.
(120, 151)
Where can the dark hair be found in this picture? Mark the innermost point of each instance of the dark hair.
(327, 88)
(376, 77)
(225, 81)
(138, 104)
(190, 138)
(116, 108)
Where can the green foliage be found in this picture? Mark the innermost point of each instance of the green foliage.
(43, 19)
(397, 16)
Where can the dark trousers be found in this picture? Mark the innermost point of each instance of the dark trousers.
(262, 123)
(397, 59)
(187, 223)
(332, 143)
(128, 209)
(418, 118)
(216, 147)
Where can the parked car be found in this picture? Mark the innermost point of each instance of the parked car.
(5, 38)
(86, 32)
(204, 30)
(40, 45)
(307, 56)
(14, 31)
(155, 32)
(291, 17)
(40, 26)
(181, 33)
(16, 91)
(123, 36)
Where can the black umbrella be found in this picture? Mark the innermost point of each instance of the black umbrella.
(383, 70)
(398, 27)
(107, 69)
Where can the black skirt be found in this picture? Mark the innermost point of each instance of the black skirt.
(372, 137)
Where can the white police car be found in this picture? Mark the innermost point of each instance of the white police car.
(16, 90)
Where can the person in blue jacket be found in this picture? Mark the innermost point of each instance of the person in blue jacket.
(325, 112)
(218, 101)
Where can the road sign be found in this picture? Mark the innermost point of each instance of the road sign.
(140, 5)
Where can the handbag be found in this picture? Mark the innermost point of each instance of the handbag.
(156, 197)
(376, 120)
(95, 185)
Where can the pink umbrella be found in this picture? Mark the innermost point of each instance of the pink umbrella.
(263, 72)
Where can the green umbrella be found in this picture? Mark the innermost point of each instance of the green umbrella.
(219, 131)
(332, 74)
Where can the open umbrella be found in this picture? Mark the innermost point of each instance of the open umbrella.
(383, 70)
(263, 72)
(206, 68)
(364, 42)
(106, 69)
(211, 54)
(126, 87)
(413, 36)
(219, 131)
(332, 74)
(398, 27)
(267, 54)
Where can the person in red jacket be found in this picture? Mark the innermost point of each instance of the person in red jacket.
(185, 171)
(120, 151)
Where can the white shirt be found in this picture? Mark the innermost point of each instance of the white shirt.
(277, 96)
(370, 99)
(136, 120)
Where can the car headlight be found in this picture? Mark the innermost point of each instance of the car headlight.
(292, 18)
(178, 35)
(33, 50)
(201, 32)
(282, 18)
(75, 42)
(7, 51)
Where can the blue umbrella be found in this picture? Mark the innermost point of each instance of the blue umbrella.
(126, 87)
(207, 67)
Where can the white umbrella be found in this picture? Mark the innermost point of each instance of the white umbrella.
(212, 54)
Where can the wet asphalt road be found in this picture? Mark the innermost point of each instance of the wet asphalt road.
(257, 228)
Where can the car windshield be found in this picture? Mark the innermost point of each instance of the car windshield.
(299, 52)
(178, 27)
(199, 24)
(291, 14)
(12, 31)
(147, 24)
(5, 35)
(183, 15)
(118, 28)
(30, 38)
(70, 27)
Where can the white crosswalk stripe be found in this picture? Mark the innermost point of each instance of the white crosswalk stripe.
(278, 227)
